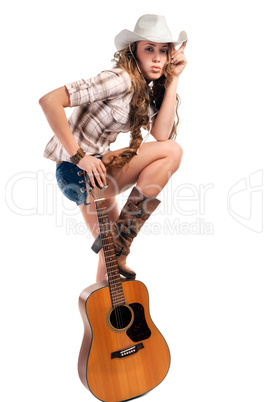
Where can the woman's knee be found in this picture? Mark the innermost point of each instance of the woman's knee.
(174, 153)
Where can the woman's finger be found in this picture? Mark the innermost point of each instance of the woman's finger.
(103, 177)
(99, 165)
(91, 178)
(178, 59)
(97, 176)
(102, 171)
(103, 168)
(177, 52)
(183, 45)
(176, 55)
(180, 50)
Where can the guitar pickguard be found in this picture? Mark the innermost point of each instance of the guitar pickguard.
(139, 329)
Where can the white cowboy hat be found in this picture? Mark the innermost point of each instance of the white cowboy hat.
(148, 27)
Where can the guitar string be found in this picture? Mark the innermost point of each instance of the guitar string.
(118, 309)
(112, 277)
(120, 317)
(97, 194)
(118, 300)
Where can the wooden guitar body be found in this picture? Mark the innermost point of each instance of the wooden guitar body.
(123, 355)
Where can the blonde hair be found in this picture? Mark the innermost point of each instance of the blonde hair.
(143, 95)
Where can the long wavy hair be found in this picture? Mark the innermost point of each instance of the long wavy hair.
(143, 96)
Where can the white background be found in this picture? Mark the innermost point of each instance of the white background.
(206, 274)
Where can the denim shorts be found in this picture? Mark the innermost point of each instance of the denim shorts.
(71, 181)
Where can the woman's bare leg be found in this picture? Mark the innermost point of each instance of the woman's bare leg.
(90, 217)
(150, 170)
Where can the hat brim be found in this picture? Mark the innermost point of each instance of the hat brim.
(125, 37)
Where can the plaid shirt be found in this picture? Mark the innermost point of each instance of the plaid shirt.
(101, 113)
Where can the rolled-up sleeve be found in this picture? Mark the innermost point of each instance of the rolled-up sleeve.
(106, 85)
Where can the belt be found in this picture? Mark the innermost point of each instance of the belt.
(58, 162)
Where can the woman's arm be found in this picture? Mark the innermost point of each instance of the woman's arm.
(163, 123)
(165, 118)
(53, 105)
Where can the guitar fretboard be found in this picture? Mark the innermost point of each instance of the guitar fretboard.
(115, 284)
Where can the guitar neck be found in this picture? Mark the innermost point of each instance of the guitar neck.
(114, 280)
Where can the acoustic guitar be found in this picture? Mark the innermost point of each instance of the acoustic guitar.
(123, 355)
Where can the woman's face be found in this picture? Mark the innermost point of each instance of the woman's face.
(152, 58)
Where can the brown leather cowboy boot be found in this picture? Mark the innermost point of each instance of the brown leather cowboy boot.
(135, 212)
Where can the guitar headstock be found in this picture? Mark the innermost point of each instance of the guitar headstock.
(97, 193)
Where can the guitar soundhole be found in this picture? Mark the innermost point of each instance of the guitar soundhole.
(121, 317)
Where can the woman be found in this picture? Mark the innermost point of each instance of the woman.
(140, 92)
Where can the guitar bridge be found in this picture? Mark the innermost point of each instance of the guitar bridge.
(127, 352)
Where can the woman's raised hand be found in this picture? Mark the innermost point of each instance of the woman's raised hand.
(95, 169)
(178, 59)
